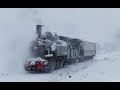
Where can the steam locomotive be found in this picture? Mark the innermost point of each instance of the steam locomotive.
(50, 52)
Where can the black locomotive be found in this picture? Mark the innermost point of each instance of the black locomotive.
(49, 52)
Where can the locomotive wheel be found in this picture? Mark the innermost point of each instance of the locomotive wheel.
(51, 65)
(62, 63)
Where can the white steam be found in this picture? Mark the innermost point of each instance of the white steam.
(16, 32)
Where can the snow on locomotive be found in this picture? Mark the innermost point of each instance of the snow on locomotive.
(49, 52)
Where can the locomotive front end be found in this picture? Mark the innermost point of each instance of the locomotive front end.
(35, 64)
(40, 53)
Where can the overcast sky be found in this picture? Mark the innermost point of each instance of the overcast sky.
(96, 25)
(93, 24)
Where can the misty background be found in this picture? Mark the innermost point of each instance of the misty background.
(18, 27)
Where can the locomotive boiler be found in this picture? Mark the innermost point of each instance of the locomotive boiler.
(49, 52)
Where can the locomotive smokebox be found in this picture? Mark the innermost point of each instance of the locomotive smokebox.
(39, 30)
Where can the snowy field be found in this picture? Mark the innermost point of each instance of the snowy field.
(103, 68)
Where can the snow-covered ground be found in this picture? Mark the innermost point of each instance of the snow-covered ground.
(104, 67)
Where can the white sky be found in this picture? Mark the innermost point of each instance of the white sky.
(92, 24)
(96, 25)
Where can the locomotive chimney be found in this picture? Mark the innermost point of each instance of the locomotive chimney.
(39, 30)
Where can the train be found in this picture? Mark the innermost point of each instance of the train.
(49, 52)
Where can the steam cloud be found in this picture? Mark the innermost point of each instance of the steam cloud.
(17, 29)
